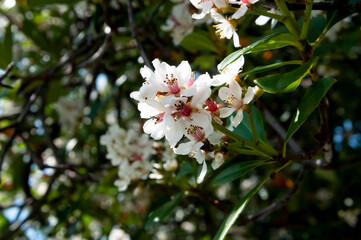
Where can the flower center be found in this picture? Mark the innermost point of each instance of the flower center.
(172, 83)
(196, 132)
(158, 118)
(183, 108)
(212, 106)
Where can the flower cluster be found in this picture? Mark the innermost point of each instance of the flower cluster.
(226, 26)
(179, 107)
(179, 22)
(70, 111)
(130, 152)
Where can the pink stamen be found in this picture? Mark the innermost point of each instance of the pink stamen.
(159, 117)
(137, 157)
(183, 108)
(196, 132)
(174, 88)
(212, 106)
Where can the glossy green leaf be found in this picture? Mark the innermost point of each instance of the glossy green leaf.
(236, 211)
(237, 170)
(269, 42)
(198, 41)
(270, 67)
(244, 128)
(281, 83)
(163, 211)
(317, 25)
(309, 102)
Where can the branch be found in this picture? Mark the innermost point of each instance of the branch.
(135, 35)
(6, 73)
(279, 203)
(336, 5)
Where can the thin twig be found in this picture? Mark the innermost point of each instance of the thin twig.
(6, 73)
(279, 203)
(135, 35)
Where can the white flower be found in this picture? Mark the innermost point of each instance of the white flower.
(70, 111)
(118, 234)
(243, 7)
(229, 73)
(262, 20)
(166, 80)
(218, 160)
(225, 28)
(206, 5)
(232, 95)
(180, 23)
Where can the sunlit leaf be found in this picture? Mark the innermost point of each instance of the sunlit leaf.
(281, 83)
(269, 42)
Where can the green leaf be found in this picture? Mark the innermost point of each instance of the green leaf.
(237, 170)
(309, 102)
(185, 169)
(317, 25)
(270, 67)
(244, 128)
(281, 83)
(236, 211)
(269, 42)
(38, 36)
(40, 3)
(163, 211)
(6, 48)
(198, 41)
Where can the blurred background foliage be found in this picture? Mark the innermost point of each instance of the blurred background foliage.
(84, 51)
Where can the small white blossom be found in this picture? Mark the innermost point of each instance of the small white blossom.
(118, 234)
(229, 73)
(225, 28)
(244, 4)
(180, 23)
(232, 95)
(70, 111)
(206, 5)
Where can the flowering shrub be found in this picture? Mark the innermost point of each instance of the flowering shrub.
(166, 119)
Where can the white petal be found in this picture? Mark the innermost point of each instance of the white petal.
(198, 16)
(240, 12)
(249, 95)
(234, 67)
(238, 118)
(262, 20)
(218, 80)
(184, 148)
(224, 93)
(226, 111)
(203, 173)
(236, 39)
(215, 138)
(135, 95)
(217, 17)
(220, 3)
(235, 89)
(184, 71)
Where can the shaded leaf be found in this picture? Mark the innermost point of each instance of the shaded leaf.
(159, 214)
(309, 102)
(237, 170)
(244, 128)
(185, 169)
(236, 211)
(281, 83)
(198, 41)
(40, 3)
